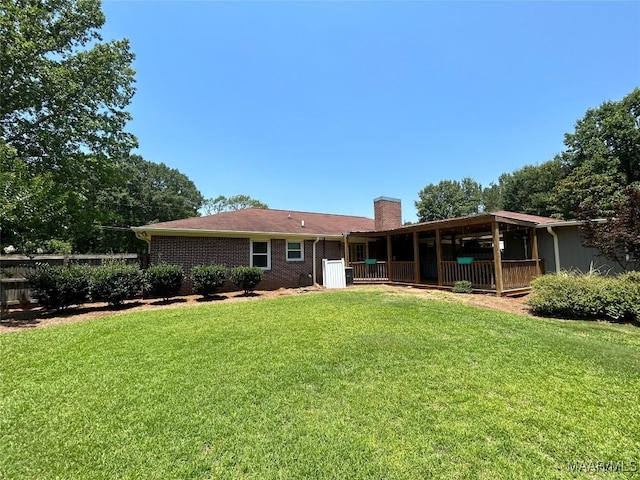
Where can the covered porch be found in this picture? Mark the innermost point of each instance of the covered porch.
(496, 253)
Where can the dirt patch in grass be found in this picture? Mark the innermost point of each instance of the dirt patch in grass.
(17, 319)
(514, 304)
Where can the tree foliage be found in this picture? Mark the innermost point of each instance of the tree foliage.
(602, 158)
(65, 168)
(230, 204)
(617, 238)
(149, 193)
(448, 199)
(64, 91)
(62, 116)
(529, 189)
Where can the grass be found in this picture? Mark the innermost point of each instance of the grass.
(356, 384)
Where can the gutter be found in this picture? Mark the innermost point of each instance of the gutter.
(556, 248)
(142, 235)
(314, 260)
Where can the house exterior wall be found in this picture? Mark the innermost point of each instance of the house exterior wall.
(573, 256)
(231, 252)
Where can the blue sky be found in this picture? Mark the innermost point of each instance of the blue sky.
(324, 106)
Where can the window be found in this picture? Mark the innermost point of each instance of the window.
(295, 251)
(261, 254)
(357, 252)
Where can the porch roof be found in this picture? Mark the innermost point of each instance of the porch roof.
(471, 223)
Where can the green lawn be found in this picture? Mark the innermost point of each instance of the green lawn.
(351, 384)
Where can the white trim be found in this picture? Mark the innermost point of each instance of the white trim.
(301, 250)
(568, 223)
(261, 240)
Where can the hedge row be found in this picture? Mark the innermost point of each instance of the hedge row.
(569, 295)
(59, 287)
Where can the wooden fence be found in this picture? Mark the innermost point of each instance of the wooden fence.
(14, 288)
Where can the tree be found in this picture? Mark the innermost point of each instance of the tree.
(448, 199)
(230, 204)
(602, 157)
(60, 99)
(529, 189)
(617, 238)
(151, 193)
(492, 197)
(62, 116)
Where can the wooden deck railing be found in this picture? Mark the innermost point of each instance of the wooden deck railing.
(379, 272)
(519, 273)
(481, 273)
(365, 273)
(515, 273)
(402, 272)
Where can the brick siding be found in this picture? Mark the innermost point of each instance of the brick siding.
(191, 251)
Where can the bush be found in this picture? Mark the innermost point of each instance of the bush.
(207, 279)
(164, 281)
(58, 287)
(462, 286)
(585, 296)
(632, 276)
(115, 282)
(246, 278)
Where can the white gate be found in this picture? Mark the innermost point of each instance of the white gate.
(333, 273)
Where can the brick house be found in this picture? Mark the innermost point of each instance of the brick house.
(498, 252)
(288, 245)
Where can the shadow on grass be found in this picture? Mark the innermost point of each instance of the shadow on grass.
(616, 321)
(169, 301)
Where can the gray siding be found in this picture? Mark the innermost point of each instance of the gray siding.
(573, 256)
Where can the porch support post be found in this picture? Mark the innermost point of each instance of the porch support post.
(416, 258)
(534, 249)
(346, 250)
(497, 257)
(439, 256)
(389, 258)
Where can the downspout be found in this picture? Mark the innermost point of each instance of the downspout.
(314, 260)
(556, 248)
(144, 236)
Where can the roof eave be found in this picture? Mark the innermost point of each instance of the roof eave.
(196, 232)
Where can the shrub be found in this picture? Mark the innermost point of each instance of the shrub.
(585, 296)
(246, 278)
(462, 286)
(164, 281)
(115, 282)
(632, 276)
(207, 279)
(57, 247)
(59, 287)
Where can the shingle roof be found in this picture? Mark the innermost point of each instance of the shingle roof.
(259, 220)
(524, 217)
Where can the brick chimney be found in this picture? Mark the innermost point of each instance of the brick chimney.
(387, 213)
